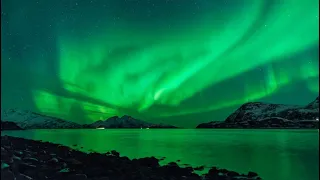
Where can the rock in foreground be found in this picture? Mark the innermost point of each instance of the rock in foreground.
(28, 159)
(263, 115)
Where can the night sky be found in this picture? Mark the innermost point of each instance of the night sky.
(180, 62)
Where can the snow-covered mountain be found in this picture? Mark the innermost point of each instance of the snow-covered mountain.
(30, 120)
(125, 122)
(314, 104)
(258, 114)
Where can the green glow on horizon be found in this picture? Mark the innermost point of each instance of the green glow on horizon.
(50, 104)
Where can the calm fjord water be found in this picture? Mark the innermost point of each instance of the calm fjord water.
(273, 154)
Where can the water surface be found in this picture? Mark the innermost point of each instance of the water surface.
(273, 154)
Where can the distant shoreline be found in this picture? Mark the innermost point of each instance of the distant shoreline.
(169, 129)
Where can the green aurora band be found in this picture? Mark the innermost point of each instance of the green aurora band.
(206, 61)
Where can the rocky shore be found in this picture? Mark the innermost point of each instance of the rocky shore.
(23, 159)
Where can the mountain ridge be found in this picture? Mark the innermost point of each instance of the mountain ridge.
(6, 125)
(31, 120)
(268, 115)
(125, 122)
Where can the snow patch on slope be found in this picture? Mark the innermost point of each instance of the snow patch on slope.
(30, 120)
(258, 111)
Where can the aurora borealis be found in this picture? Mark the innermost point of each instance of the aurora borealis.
(176, 61)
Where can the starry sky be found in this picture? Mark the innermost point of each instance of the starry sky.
(180, 62)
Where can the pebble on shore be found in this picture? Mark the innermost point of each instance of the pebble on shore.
(23, 159)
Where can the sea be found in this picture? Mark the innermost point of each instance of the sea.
(273, 154)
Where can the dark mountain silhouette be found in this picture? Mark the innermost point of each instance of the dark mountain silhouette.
(5, 125)
(125, 122)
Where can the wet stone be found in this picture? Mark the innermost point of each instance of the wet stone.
(4, 166)
(3, 150)
(77, 177)
(16, 158)
(232, 174)
(18, 153)
(7, 175)
(24, 167)
(252, 174)
(31, 160)
(23, 177)
(199, 168)
(53, 161)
